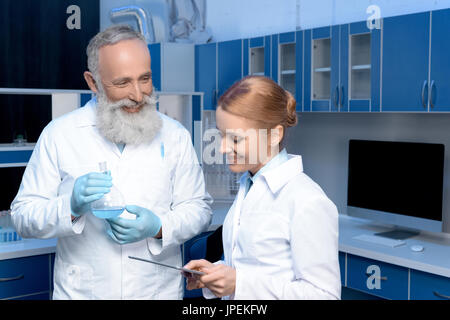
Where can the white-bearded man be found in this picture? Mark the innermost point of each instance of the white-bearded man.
(151, 161)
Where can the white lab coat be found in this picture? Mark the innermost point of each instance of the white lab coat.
(89, 264)
(282, 238)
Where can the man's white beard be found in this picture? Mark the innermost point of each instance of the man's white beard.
(120, 126)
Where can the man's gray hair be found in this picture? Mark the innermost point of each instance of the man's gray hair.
(109, 36)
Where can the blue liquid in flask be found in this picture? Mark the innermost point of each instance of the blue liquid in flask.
(108, 213)
(111, 205)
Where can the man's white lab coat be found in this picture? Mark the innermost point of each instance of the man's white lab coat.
(163, 176)
(282, 238)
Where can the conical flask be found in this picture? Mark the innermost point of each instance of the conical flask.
(112, 204)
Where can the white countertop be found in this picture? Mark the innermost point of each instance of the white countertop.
(26, 248)
(435, 258)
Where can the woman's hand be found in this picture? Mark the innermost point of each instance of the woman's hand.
(193, 281)
(220, 278)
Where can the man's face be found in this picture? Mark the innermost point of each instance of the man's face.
(125, 72)
(126, 103)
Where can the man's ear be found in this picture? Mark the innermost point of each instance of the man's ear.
(90, 81)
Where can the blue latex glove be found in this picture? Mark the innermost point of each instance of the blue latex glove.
(147, 224)
(88, 188)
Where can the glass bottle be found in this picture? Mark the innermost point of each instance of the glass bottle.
(112, 204)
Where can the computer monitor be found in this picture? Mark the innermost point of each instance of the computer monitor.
(396, 183)
(10, 178)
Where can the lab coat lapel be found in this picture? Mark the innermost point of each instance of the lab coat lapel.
(237, 212)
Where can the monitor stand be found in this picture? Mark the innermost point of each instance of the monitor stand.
(398, 234)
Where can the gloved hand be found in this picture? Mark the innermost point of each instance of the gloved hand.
(146, 224)
(88, 188)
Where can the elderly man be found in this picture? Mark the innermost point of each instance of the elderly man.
(151, 161)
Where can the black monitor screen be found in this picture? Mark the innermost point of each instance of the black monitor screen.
(10, 178)
(397, 177)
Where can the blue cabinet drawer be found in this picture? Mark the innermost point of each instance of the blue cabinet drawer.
(427, 286)
(23, 276)
(377, 278)
(342, 267)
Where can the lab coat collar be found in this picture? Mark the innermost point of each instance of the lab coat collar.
(89, 115)
(277, 177)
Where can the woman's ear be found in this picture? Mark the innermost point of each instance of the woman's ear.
(276, 135)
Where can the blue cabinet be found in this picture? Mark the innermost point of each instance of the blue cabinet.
(427, 286)
(205, 74)
(287, 60)
(258, 52)
(217, 67)
(439, 82)
(318, 60)
(342, 266)
(342, 68)
(360, 53)
(299, 53)
(9, 155)
(229, 64)
(377, 278)
(405, 62)
(25, 277)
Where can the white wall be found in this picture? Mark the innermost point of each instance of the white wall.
(235, 19)
(317, 13)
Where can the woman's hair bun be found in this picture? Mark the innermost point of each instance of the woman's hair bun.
(291, 110)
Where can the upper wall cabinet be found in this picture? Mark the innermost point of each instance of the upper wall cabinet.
(416, 64)
(406, 50)
(229, 64)
(439, 80)
(287, 62)
(217, 67)
(205, 73)
(259, 61)
(342, 68)
(362, 65)
(42, 45)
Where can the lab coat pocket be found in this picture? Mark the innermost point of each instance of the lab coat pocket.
(74, 280)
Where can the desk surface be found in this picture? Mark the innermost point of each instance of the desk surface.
(435, 258)
(26, 248)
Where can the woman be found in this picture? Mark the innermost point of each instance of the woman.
(280, 236)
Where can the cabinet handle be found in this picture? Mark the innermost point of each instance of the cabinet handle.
(430, 98)
(336, 98)
(341, 96)
(443, 296)
(423, 93)
(20, 276)
(381, 278)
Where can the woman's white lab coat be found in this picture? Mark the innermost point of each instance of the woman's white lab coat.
(282, 238)
(163, 176)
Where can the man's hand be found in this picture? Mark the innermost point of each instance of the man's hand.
(146, 224)
(87, 189)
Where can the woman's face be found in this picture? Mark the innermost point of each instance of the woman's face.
(247, 147)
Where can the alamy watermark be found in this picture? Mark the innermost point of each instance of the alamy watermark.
(374, 20)
(74, 20)
(251, 146)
